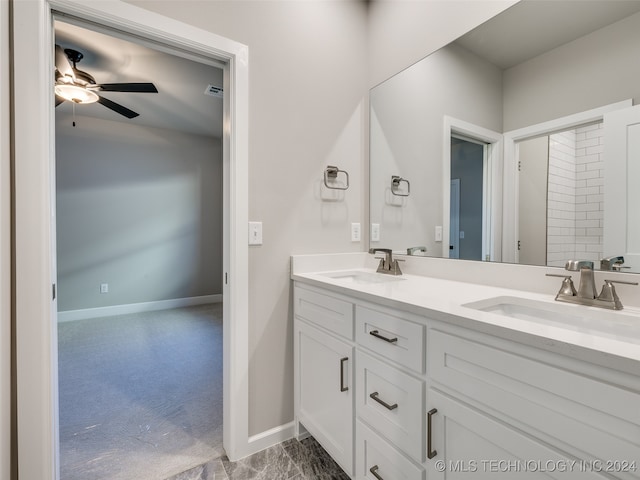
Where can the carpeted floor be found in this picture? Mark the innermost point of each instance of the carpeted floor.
(140, 394)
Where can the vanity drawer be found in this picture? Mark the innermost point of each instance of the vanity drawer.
(570, 406)
(373, 453)
(391, 336)
(392, 402)
(324, 310)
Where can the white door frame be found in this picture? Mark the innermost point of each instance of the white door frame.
(35, 312)
(492, 185)
(5, 247)
(511, 139)
(454, 220)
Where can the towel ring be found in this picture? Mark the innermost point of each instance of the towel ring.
(395, 184)
(332, 173)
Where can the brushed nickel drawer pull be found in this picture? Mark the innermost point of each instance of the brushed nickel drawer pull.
(374, 395)
(342, 387)
(430, 453)
(376, 334)
(374, 472)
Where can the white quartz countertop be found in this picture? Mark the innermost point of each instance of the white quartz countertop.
(609, 338)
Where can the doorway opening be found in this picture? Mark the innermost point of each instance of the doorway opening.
(468, 198)
(472, 191)
(139, 224)
(34, 234)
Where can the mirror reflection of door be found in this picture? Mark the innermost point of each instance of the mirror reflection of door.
(468, 158)
(621, 225)
(533, 164)
(560, 201)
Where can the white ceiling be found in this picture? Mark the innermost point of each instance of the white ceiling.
(532, 27)
(180, 103)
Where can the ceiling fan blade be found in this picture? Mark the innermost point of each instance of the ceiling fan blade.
(62, 63)
(59, 100)
(128, 87)
(116, 107)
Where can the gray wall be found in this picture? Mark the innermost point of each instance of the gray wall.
(594, 70)
(403, 32)
(138, 208)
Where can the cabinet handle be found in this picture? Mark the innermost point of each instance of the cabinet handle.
(376, 334)
(374, 395)
(342, 387)
(430, 453)
(374, 472)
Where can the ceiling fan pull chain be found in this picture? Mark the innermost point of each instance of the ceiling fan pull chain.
(73, 107)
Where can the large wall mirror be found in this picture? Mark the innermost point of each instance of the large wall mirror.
(511, 143)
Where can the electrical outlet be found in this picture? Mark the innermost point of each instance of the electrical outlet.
(375, 232)
(104, 288)
(355, 232)
(438, 233)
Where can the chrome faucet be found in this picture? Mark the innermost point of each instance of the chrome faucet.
(586, 293)
(414, 250)
(612, 263)
(387, 263)
(587, 288)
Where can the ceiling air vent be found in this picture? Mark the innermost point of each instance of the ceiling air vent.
(214, 91)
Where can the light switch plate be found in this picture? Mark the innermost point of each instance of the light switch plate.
(438, 233)
(355, 232)
(375, 232)
(255, 233)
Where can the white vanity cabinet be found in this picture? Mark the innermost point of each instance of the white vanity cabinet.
(431, 400)
(467, 442)
(323, 369)
(504, 408)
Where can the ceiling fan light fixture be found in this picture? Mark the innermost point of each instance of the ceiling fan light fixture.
(76, 94)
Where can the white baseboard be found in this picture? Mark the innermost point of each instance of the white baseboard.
(71, 315)
(270, 437)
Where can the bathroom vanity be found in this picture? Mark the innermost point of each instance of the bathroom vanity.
(415, 377)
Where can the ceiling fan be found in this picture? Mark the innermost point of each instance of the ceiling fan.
(79, 87)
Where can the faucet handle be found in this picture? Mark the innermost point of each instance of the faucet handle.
(620, 281)
(608, 293)
(567, 288)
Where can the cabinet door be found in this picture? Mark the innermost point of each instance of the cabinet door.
(324, 389)
(469, 443)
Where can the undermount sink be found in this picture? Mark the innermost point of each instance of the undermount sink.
(362, 277)
(578, 318)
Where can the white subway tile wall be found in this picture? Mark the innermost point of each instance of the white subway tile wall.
(575, 202)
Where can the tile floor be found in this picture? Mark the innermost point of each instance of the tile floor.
(291, 460)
